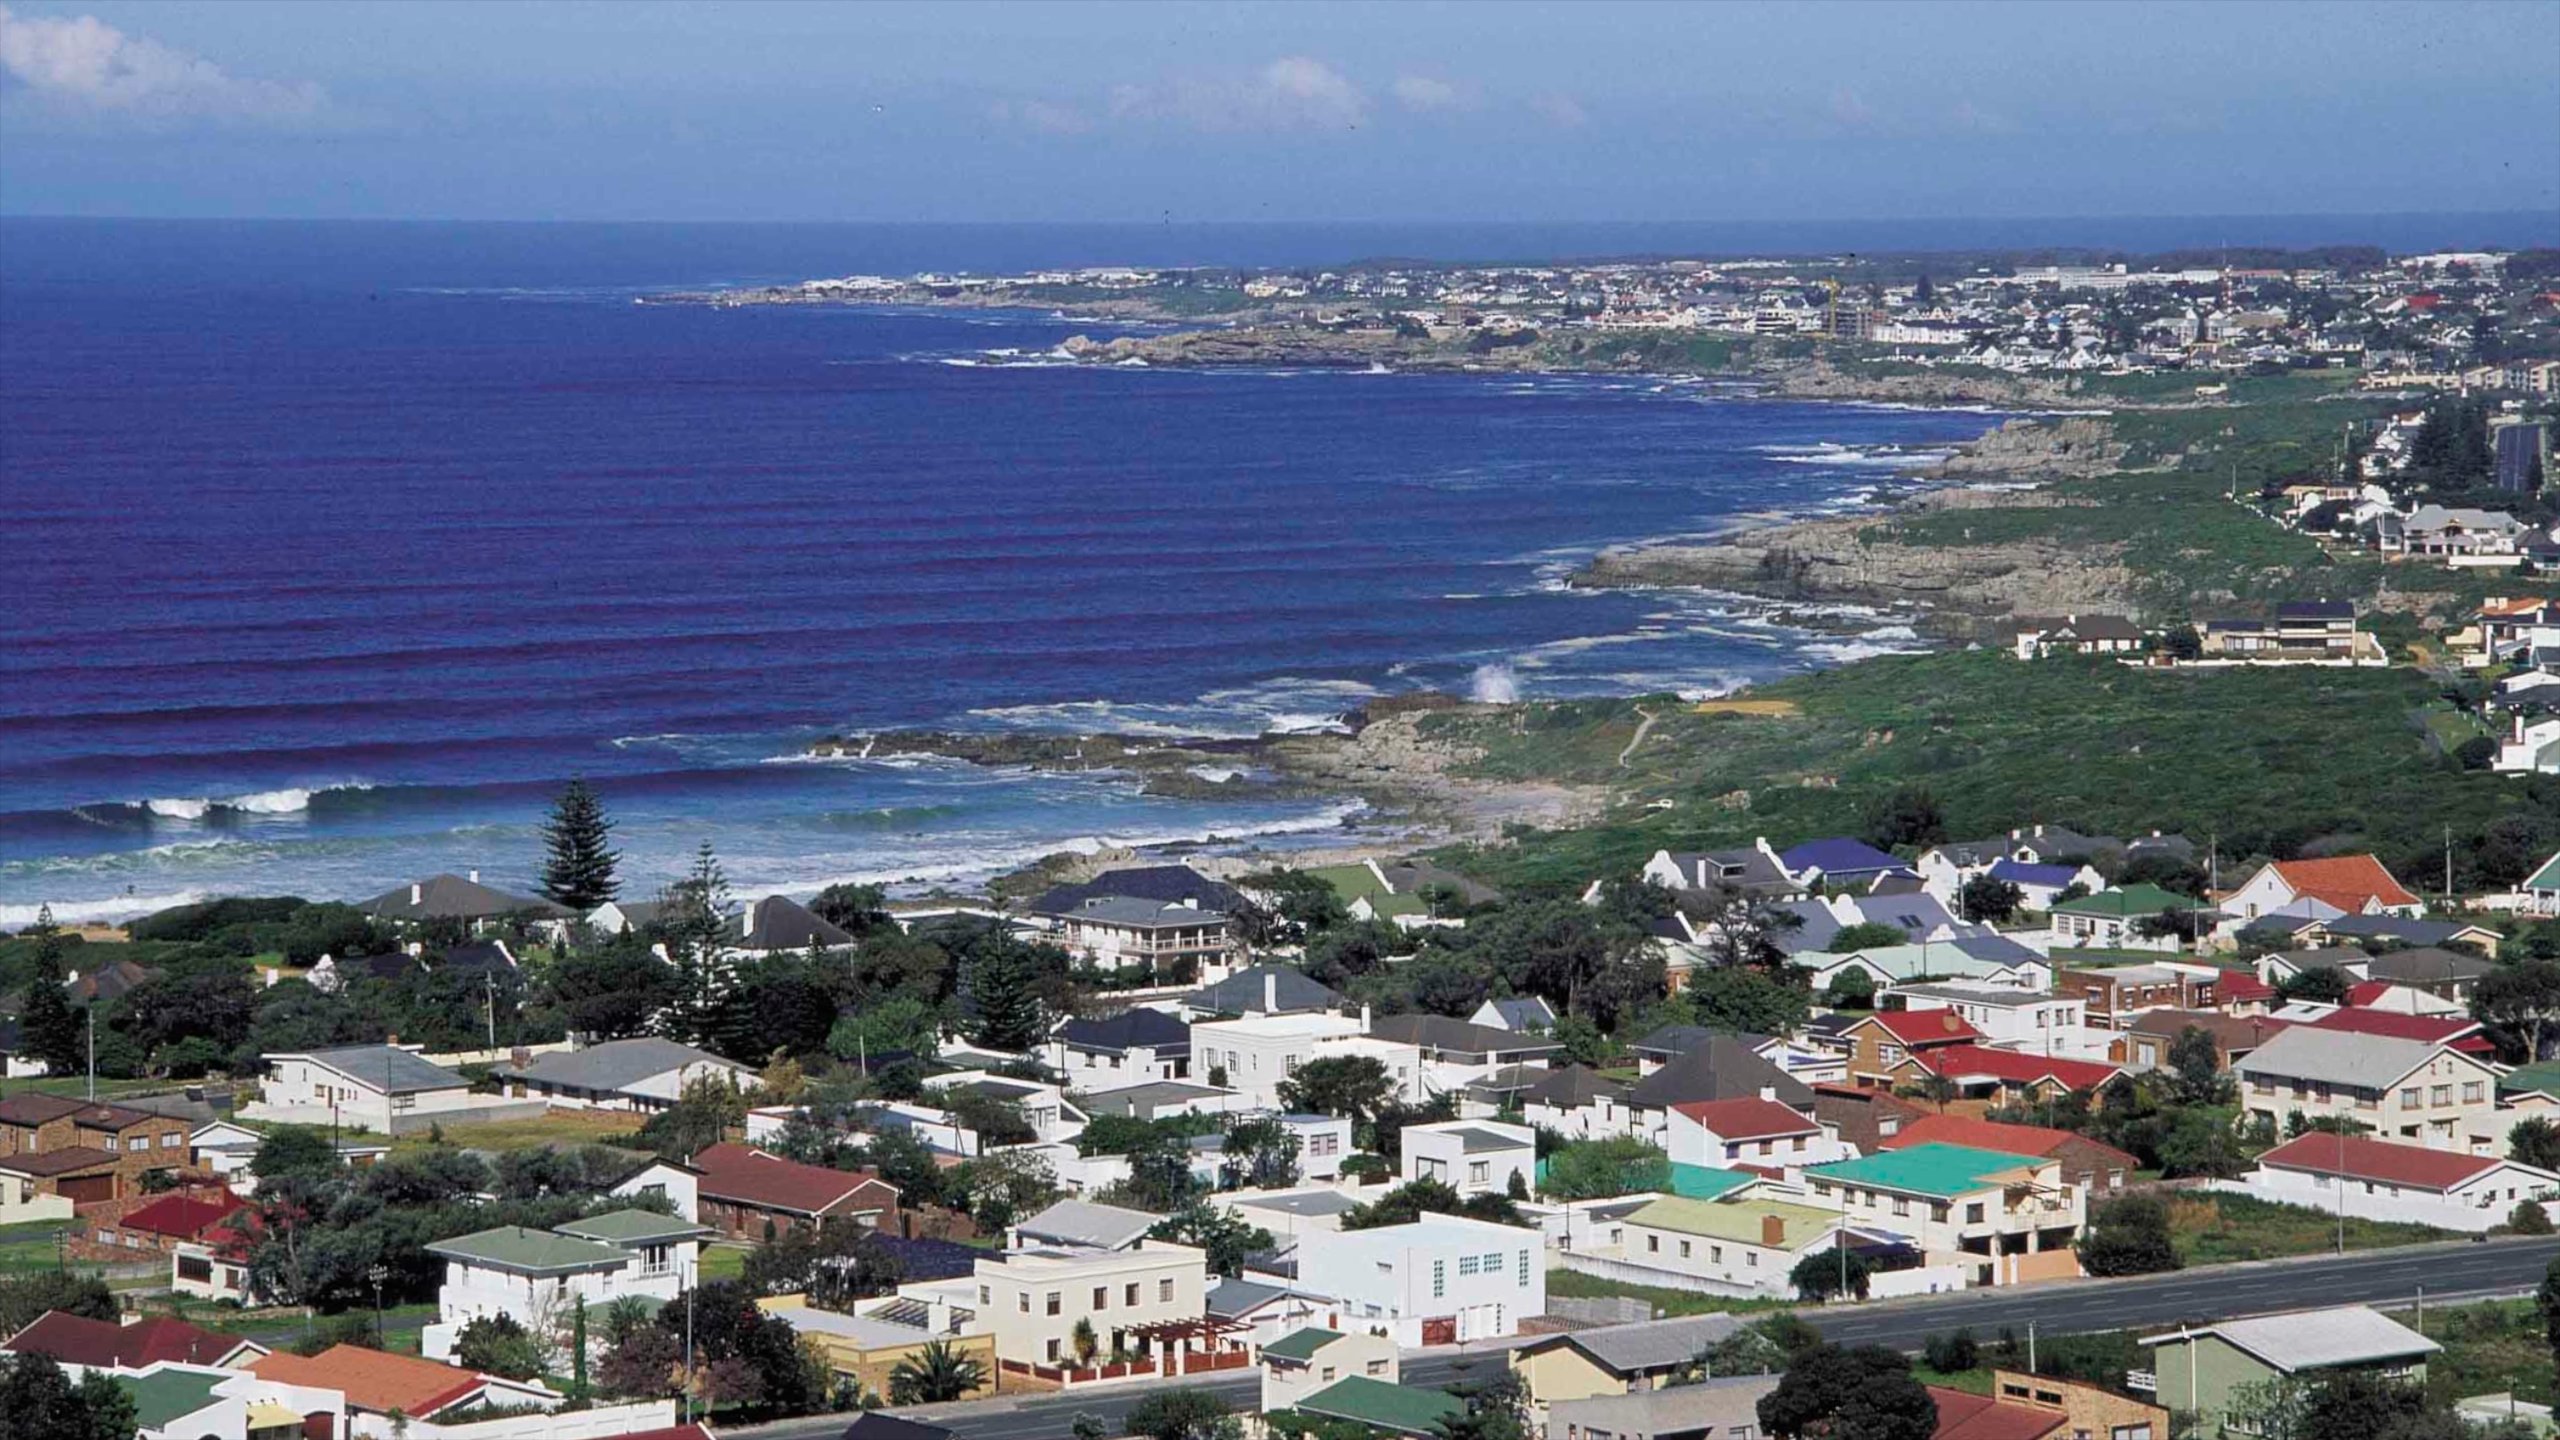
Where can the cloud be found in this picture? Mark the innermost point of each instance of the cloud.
(1294, 92)
(1560, 110)
(85, 64)
(1421, 92)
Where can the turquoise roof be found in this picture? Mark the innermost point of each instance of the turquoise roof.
(1945, 1171)
(1702, 1182)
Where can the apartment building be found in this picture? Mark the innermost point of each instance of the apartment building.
(1999, 1218)
(2413, 1091)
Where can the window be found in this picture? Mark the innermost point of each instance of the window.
(1653, 1244)
(1479, 1171)
(2443, 1095)
(1715, 1253)
(1901, 1205)
(2471, 1093)
(1440, 1278)
(1101, 1297)
(138, 1142)
(1377, 1367)
(173, 1139)
(983, 1295)
(1684, 1249)
(1053, 1347)
(1054, 1298)
(1129, 1296)
(1466, 1264)
(1973, 1213)
(1164, 1290)
(1524, 1269)
(1328, 1375)
(1022, 1302)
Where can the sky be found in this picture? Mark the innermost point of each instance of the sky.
(1596, 111)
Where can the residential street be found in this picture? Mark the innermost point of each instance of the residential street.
(2382, 1277)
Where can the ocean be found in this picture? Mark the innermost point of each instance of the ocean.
(331, 552)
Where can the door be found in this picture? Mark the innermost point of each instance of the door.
(1440, 1330)
(85, 1189)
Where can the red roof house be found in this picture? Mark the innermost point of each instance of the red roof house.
(2357, 884)
(104, 1344)
(1974, 1066)
(743, 1189)
(2358, 1157)
(1963, 1415)
(382, 1383)
(2459, 1031)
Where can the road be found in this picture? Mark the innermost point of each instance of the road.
(2446, 1272)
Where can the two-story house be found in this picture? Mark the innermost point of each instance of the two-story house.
(539, 1278)
(1881, 1045)
(1751, 1131)
(1435, 1280)
(85, 1149)
(1108, 1052)
(2408, 1090)
(1173, 941)
(2113, 995)
(1473, 1157)
(1996, 1218)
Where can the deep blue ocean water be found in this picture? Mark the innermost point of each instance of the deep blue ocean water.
(328, 553)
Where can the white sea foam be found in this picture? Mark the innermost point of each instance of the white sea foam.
(1494, 684)
(288, 801)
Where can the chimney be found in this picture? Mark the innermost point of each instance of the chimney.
(1364, 1017)
(1773, 1232)
(937, 1317)
(1768, 1092)
(1270, 992)
(475, 877)
(417, 893)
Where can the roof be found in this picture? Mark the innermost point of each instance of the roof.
(1746, 1118)
(1311, 1202)
(373, 1380)
(616, 1064)
(451, 897)
(1242, 991)
(1136, 914)
(1439, 1032)
(79, 1340)
(1838, 855)
(2403, 927)
(1302, 1345)
(111, 980)
(1147, 1096)
(1963, 1415)
(475, 956)
(778, 922)
(1743, 1222)
(632, 1227)
(2428, 965)
(1940, 1170)
(1721, 1067)
(928, 1259)
(1230, 1298)
(2126, 901)
(1924, 1027)
(1406, 1409)
(2542, 1077)
(2433, 1029)
(531, 1252)
(2359, 1158)
(34, 1109)
(2340, 1057)
(2014, 1067)
(1476, 1140)
(1646, 1345)
(1706, 1182)
(1082, 1222)
(1167, 884)
(2346, 881)
(1573, 1087)
(742, 1173)
(2316, 610)
(57, 1162)
(1993, 1135)
(162, 1397)
(386, 1068)
(2231, 1032)
(1525, 1012)
(183, 1213)
(1128, 1030)
(1725, 1405)
(2314, 1339)
(2020, 872)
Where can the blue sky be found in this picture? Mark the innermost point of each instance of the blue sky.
(1418, 111)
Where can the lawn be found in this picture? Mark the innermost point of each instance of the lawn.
(1574, 1285)
(723, 1262)
(29, 1247)
(2219, 1229)
(559, 1127)
(2488, 1348)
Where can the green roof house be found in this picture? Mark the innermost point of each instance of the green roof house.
(1304, 1364)
(2107, 919)
(1382, 1406)
(539, 1277)
(2224, 1373)
(163, 1399)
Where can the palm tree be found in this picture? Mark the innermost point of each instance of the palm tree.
(934, 1374)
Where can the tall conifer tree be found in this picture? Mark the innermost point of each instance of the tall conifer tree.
(579, 870)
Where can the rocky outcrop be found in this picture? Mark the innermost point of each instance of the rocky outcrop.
(2076, 447)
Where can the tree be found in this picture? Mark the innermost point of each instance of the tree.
(1910, 815)
(1226, 1237)
(2182, 642)
(645, 1362)
(2535, 1141)
(1354, 1087)
(2129, 1236)
(1851, 989)
(1747, 1001)
(1001, 982)
(2195, 1066)
(2363, 1405)
(36, 1398)
(1599, 1169)
(25, 1297)
(498, 1345)
(1497, 1408)
(935, 1373)
(1261, 1154)
(1818, 1276)
(2325, 986)
(695, 922)
(54, 1032)
(1186, 1413)
(578, 863)
(1951, 1353)
(1866, 935)
(1861, 1394)
(834, 1265)
(1743, 928)
(294, 1152)
(702, 1116)
(2522, 1003)
(858, 910)
(2530, 1217)
(1988, 897)
(2478, 752)
(2546, 1301)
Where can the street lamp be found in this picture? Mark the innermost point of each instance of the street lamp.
(377, 1274)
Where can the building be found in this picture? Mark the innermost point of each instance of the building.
(2024, 1406)
(539, 1278)
(1881, 1045)
(2355, 884)
(106, 1345)
(1755, 871)
(1253, 1055)
(385, 1393)
(1722, 1067)
(1741, 1244)
(2203, 1370)
(2011, 1076)
(458, 897)
(359, 1087)
(1616, 1359)
(1137, 1301)
(646, 1074)
(2113, 997)
(2033, 639)
(2115, 919)
(2149, 1038)
(1995, 1219)
(1726, 1408)
(2004, 1014)
(866, 1347)
(1383, 1409)
(1261, 990)
(1576, 1101)
(1112, 1051)
(72, 1144)
(2380, 1180)
(747, 1193)
(2097, 1170)
(1299, 1364)
(1862, 1117)
(1084, 1225)
(1747, 1132)
(2410, 1090)
(159, 1225)
(1840, 862)
(1473, 1157)
(1436, 1280)
(778, 923)
(1173, 941)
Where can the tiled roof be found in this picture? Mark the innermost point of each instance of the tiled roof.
(78, 1340)
(1302, 1345)
(1924, 1027)
(2032, 1140)
(2314, 1339)
(165, 1396)
(1405, 1409)
(2358, 1158)
(57, 1162)
(184, 1214)
(2433, 1029)
(1963, 1415)
(2125, 901)
(372, 1379)
(2013, 1067)
(618, 1064)
(1838, 856)
(742, 1173)
(2346, 881)
(1747, 1118)
(531, 1252)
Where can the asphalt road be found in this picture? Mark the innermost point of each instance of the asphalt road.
(2392, 1277)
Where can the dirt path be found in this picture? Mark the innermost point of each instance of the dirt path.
(1643, 728)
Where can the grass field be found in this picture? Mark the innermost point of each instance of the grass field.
(723, 1262)
(2491, 1347)
(1574, 1285)
(30, 1247)
(2219, 1229)
(560, 1127)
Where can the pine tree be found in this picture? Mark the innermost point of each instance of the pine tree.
(579, 870)
(696, 929)
(50, 1027)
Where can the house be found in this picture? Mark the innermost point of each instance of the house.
(1746, 1132)
(1863, 1117)
(399, 1390)
(1722, 1067)
(1262, 1313)
(2041, 887)
(1917, 914)
(2002, 1014)
(1881, 1045)
(870, 1424)
(2027, 1406)
(1473, 1157)
(1084, 1226)
(2033, 639)
(2114, 919)
(867, 1345)
(1755, 871)
(77, 1140)
(2116, 996)
(1253, 1055)
(76, 1175)
(1155, 1099)
(1576, 1101)
(1261, 990)
(751, 1195)
(779, 923)
(331, 974)
(1993, 1218)
(2098, 1170)
(2412, 1090)
(458, 897)
(363, 1087)
(2150, 1036)
(160, 1225)
(540, 1278)
(1840, 863)
(2383, 1180)
(1148, 1302)
(1725, 1408)
(2010, 1076)
(1173, 941)
(110, 981)
(225, 1149)
(1519, 1014)
(2392, 927)
(106, 1345)
(1112, 1051)
(2355, 884)
(1990, 958)
(2451, 532)
(2449, 975)
(1305, 1361)
(1409, 895)
(1381, 1408)
(2210, 1371)
(617, 917)
(1435, 1280)
(2457, 1031)
(1164, 884)
(2324, 627)
(645, 1074)
(1738, 1245)
(1637, 1359)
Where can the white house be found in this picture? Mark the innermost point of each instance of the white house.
(363, 1087)
(1744, 1244)
(2378, 1180)
(644, 1074)
(1112, 1051)
(677, 1184)
(1473, 1157)
(1300, 1364)
(226, 1148)
(1437, 1280)
(1752, 1130)
(1253, 1055)
(2355, 884)
(1322, 1141)
(539, 1278)
(2046, 1023)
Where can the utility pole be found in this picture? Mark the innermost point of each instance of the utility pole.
(93, 1047)
(2448, 861)
(489, 987)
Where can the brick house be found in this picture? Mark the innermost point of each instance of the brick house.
(2117, 994)
(1881, 1045)
(2146, 1041)
(156, 1224)
(136, 1141)
(743, 1189)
